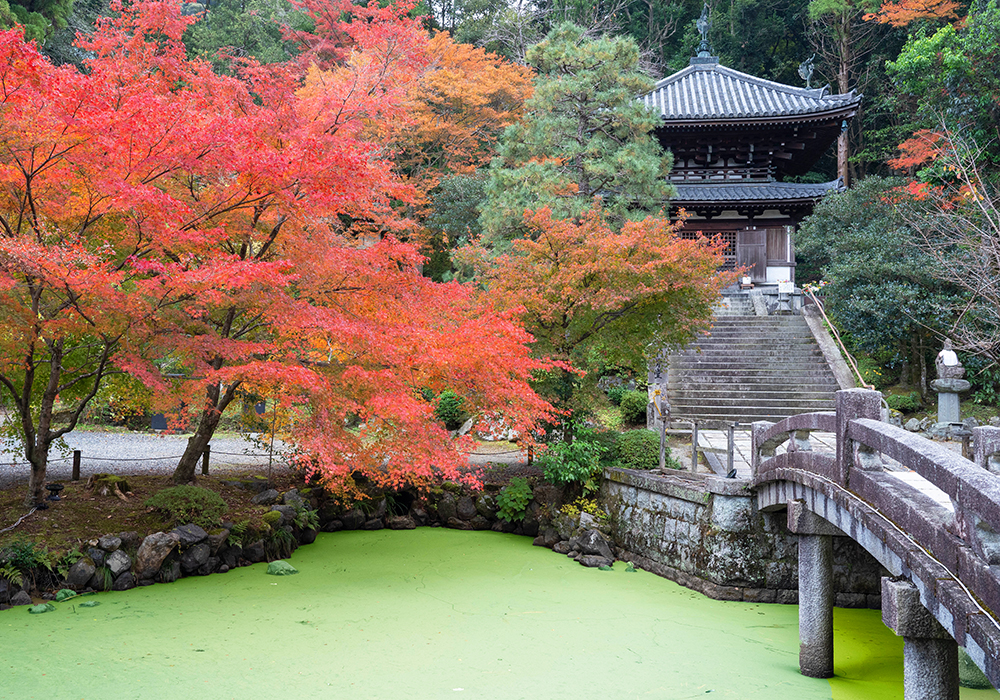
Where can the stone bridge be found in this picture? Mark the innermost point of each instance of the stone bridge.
(942, 551)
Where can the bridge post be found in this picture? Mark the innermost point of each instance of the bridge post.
(986, 448)
(815, 590)
(930, 655)
(851, 405)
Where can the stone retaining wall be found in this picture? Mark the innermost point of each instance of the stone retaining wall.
(128, 559)
(706, 533)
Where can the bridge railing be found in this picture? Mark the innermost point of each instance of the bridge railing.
(964, 538)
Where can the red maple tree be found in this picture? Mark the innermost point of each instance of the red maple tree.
(214, 235)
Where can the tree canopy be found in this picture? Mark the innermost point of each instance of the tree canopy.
(215, 235)
(584, 135)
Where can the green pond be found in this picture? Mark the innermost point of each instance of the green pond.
(432, 613)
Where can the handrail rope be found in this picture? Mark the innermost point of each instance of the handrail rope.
(15, 463)
(136, 459)
(843, 349)
(972, 596)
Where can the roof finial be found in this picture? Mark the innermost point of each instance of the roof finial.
(704, 24)
(806, 69)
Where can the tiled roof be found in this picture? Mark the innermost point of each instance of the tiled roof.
(752, 191)
(706, 90)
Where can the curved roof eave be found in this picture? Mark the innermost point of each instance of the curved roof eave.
(709, 92)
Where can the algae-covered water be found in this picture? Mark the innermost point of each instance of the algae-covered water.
(432, 613)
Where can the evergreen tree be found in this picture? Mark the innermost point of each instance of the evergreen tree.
(584, 136)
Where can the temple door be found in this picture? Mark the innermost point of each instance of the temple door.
(751, 253)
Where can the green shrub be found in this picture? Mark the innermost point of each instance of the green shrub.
(574, 462)
(189, 504)
(640, 449)
(449, 410)
(905, 403)
(513, 499)
(616, 393)
(633, 407)
(873, 373)
(985, 380)
(279, 544)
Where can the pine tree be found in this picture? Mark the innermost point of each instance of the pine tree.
(584, 135)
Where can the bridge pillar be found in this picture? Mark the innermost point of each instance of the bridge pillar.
(930, 655)
(815, 590)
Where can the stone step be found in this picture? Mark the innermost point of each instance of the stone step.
(718, 420)
(708, 392)
(750, 395)
(737, 333)
(756, 403)
(754, 333)
(733, 365)
(749, 368)
(735, 351)
(819, 376)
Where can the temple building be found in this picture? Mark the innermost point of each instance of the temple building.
(737, 142)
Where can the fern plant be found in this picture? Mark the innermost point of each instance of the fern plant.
(12, 574)
(306, 519)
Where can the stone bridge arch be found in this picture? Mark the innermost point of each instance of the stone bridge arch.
(943, 552)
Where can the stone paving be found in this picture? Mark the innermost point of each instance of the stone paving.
(714, 446)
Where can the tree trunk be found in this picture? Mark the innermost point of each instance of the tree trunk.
(846, 51)
(39, 459)
(37, 440)
(923, 371)
(207, 423)
(843, 154)
(217, 402)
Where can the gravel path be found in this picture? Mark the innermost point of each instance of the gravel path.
(131, 453)
(145, 453)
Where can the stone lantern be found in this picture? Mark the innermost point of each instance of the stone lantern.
(949, 385)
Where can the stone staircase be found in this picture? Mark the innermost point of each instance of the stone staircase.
(750, 368)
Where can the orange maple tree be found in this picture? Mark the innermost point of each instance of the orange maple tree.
(905, 12)
(460, 105)
(593, 296)
(235, 232)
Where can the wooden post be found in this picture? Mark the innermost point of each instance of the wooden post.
(663, 431)
(694, 447)
(204, 459)
(76, 465)
(732, 447)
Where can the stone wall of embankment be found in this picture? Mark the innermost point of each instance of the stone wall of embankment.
(706, 532)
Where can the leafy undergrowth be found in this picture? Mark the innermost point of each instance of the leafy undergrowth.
(82, 514)
(969, 410)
